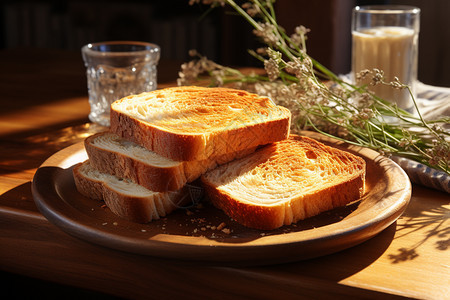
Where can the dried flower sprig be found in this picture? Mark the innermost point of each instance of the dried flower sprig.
(319, 99)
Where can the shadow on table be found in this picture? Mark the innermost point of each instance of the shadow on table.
(428, 215)
(345, 263)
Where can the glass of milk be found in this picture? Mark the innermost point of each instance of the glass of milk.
(385, 37)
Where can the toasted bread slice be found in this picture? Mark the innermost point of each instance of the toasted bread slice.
(285, 182)
(197, 123)
(125, 198)
(114, 155)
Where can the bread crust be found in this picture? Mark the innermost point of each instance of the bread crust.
(299, 207)
(158, 179)
(203, 145)
(140, 209)
(155, 178)
(274, 216)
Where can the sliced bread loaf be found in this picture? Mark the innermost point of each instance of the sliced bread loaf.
(125, 198)
(114, 155)
(197, 123)
(284, 182)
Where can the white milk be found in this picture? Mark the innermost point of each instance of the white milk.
(393, 50)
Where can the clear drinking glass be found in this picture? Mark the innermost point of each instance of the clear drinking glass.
(115, 70)
(385, 37)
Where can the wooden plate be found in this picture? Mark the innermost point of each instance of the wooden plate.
(192, 234)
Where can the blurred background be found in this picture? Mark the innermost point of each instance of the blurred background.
(219, 34)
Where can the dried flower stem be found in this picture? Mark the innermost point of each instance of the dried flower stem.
(329, 105)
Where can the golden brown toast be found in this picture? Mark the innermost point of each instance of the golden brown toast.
(285, 182)
(125, 198)
(197, 123)
(114, 155)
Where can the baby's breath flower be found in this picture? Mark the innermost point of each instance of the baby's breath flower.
(262, 51)
(193, 53)
(384, 152)
(361, 75)
(218, 76)
(267, 33)
(302, 30)
(299, 36)
(437, 128)
(299, 67)
(365, 99)
(206, 65)
(348, 112)
(251, 9)
(272, 69)
(189, 72)
(396, 84)
(275, 55)
(338, 91)
(357, 121)
(441, 150)
(378, 77)
(366, 113)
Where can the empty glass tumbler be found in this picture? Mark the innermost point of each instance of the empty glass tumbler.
(385, 37)
(115, 70)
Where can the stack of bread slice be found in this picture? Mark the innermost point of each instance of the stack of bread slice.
(160, 141)
(238, 143)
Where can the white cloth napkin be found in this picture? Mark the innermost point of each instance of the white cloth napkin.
(433, 102)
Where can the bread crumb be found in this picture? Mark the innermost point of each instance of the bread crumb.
(203, 229)
(104, 224)
(213, 227)
(143, 230)
(226, 230)
(221, 226)
(115, 223)
(198, 220)
(195, 230)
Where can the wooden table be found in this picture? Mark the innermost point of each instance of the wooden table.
(44, 109)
